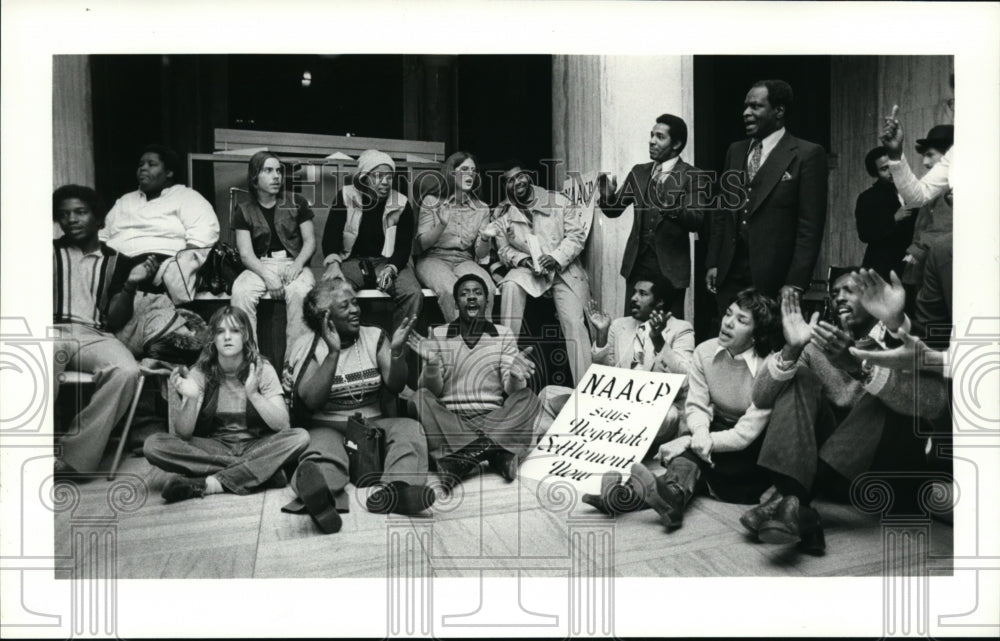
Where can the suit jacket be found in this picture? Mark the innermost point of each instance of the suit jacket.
(672, 197)
(887, 239)
(785, 205)
(932, 315)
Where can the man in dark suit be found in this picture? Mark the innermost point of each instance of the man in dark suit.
(882, 220)
(662, 192)
(770, 238)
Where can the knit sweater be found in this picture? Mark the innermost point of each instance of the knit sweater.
(472, 380)
(903, 392)
(721, 386)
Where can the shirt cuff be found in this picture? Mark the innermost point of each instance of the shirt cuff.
(905, 328)
(877, 381)
(780, 369)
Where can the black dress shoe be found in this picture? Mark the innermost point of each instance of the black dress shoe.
(783, 527)
(813, 541)
(315, 494)
(753, 518)
(181, 488)
(400, 498)
(504, 462)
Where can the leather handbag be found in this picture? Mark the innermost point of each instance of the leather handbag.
(220, 270)
(365, 445)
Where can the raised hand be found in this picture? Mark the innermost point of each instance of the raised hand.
(422, 348)
(797, 332)
(490, 230)
(144, 271)
(252, 384)
(658, 321)
(607, 187)
(523, 368)
(399, 336)
(182, 383)
(596, 317)
(330, 334)
(912, 355)
(891, 136)
(885, 301)
(835, 343)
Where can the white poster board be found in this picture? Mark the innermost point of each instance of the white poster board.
(581, 189)
(608, 424)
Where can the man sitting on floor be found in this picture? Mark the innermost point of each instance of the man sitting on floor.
(871, 426)
(651, 339)
(92, 298)
(473, 400)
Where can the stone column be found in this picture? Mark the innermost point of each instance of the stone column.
(72, 121)
(602, 110)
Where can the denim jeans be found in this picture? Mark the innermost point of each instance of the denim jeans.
(240, 467)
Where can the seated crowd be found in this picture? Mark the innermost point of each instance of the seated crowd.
(776, 406)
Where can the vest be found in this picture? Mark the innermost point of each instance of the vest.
(204, 424)
(394, 206)
(284, 223)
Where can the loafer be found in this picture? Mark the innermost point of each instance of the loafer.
(312, 489)
(181, 488)
(753, 518)
(783, 527)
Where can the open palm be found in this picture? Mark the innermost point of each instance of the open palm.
(795, 328)
(884, 301)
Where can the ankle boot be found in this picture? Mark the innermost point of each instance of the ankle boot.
(753, 518)
(458, 465)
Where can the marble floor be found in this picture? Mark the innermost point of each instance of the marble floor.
(488, 525)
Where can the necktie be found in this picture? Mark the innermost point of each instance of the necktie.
(753, 164)
(639, 346)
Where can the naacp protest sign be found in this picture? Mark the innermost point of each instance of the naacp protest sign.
(608, 424)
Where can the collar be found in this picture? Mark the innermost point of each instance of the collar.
(667, 165)
(877, 334)
(102, 247)
(487, 328)
(769, 142)
(166, 192)
(749, 356)
(473, 201)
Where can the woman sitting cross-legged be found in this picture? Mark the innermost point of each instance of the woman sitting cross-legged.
(473, 399)
(719, 454)
(337, 370)
(232, 429)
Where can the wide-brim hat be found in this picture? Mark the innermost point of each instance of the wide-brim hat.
(938, 136)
